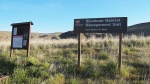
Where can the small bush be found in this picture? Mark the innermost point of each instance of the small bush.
(138, 43)
(19, 76)
(34, 60)
(6, 66)
(102, 56)
(33, 80)
(88, 69)
(32, 71)
(125, 72)
(57, 79)
(74, 81)
(110, 69)
(127, 51)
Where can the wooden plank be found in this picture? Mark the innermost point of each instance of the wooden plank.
(120, 48)
(79, 49)
(28, 50)
(11, 52)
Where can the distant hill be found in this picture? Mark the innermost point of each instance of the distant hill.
(7, 35)
(138, 29)
(46, 35)
(71, 34)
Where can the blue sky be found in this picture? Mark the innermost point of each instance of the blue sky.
(51, 16)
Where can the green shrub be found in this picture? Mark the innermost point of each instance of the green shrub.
(33, 80)
(106, 44)
(102, 56)
(109, 69)
(57, 79)
(127, 51)
(89, 51)
(74, 81)
(19, 76)
(105, 81)
(68, 53)
(138, 64)
(6, 66)
(69, 66)
(132, 52)
(32, 71)
(125, 72)
(34, 60)
(138, 43)
(127, 43)
(72, 45)
(89, 69)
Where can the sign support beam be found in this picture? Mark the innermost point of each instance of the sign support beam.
(11, 51)
(79, 49)
(120, 48)
(28, 50)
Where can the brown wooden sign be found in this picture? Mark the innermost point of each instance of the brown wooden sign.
(101, 25)
(20, 39)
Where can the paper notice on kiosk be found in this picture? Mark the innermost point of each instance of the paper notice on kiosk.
(24, 42)
(17, 41)
(15, 31)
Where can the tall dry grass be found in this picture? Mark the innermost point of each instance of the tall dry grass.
(62, 56)
(114, 39)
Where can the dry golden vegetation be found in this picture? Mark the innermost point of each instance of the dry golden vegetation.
(55, 61)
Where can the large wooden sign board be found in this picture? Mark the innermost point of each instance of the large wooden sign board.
(101, 25)
(20, 39)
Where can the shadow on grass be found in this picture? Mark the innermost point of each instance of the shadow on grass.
(6, 66)
(141, 72)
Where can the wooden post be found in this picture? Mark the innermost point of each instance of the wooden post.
(79, 49)
(120, 46)
(11, 52)
(28, 50)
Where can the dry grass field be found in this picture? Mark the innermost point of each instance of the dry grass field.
(54, 61)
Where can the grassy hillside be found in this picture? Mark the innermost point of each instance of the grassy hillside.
(55, 62)
(140, 28)
(7, 35)
(45, 35)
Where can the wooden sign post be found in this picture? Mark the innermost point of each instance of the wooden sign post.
(20, 39)
(120, 48)
(101, 25)
(79, 49)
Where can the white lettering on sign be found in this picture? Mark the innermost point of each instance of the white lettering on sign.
(116, 24)
(104, 29)
(97, 25)
(103, 22)
(112, 20)
(92, 21)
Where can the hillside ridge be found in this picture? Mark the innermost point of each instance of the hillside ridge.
(137, 29)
